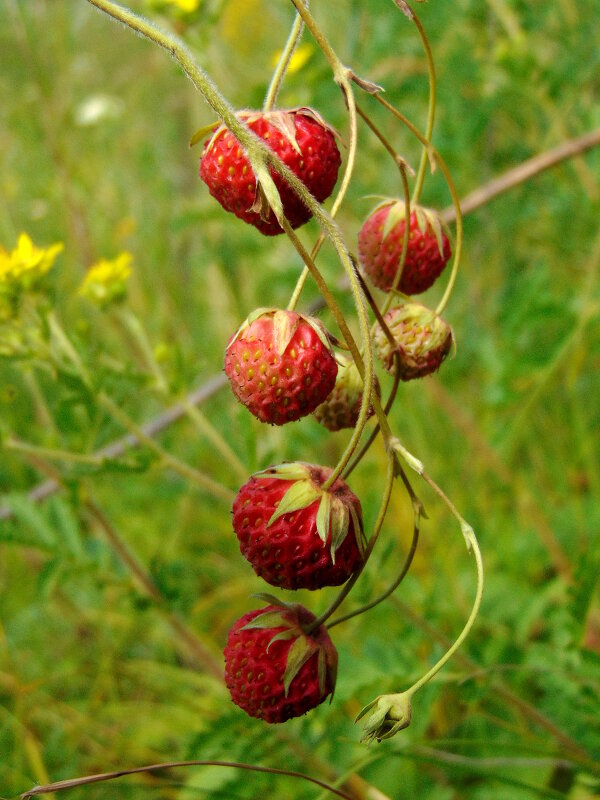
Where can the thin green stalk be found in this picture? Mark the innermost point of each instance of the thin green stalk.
(65, 344)
(52, 454)
(389, 484)
(284, 62)
(205, 426)
(467, 627)
(430, 112)
(135, 328)
(185, 470)
(392, 588)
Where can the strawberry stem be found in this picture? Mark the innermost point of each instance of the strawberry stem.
(284, 62)
(431, 110)
(345, 591)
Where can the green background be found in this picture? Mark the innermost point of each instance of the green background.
(94, 673)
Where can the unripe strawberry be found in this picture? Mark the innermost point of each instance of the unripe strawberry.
(273, 669)
(423, 340)
(296, 534)
(301, 139)
(281, 365)
(380, 247)
(342, 406)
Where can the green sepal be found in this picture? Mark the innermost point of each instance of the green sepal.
(282, 636)
(396, 214)
(285, 325)
(301, 494)
(340, 523)
(270, 619)
(273, 601)
(202, 132)
(324, 517)
(289, 471)
(318, 328)
(299, 653)
(359, 534)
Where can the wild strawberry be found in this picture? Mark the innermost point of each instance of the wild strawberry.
(303, 141)
(342, 406)
(273, 669)
(423, 340)
(296, 534)
(281, 365)
(380, 247)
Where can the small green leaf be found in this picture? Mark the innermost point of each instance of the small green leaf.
(301, 494)
(298, 655)
(292, 471)
(396, 214)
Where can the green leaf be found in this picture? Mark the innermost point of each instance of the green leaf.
(301, 494)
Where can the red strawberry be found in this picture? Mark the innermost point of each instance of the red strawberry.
(303, 141)
(273, 669)
(423, 340)
(281, 365)
(342, 406)
(380, 247)
(295, 534)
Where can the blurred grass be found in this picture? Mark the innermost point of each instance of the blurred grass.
(92, 675)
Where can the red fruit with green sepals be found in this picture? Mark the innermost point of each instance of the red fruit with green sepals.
(295, 533)
(274, 670)
(380, 247)
(422, 341)
(301, 139)
(341, 408)
(281, 365)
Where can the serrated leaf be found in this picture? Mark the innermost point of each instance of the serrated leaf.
(324, 517)
(301, 494)
(298, 655)
(340, 523)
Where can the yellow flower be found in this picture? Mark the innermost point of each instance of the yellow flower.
(301, 55)
(27, 263)
(187, 6)
(106, 280)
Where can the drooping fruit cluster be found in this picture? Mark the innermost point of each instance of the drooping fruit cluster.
(342, 406)
(380, 243)
(274, 670)
(301, 139)
(281, 365)
(422, 341)
(295, 533)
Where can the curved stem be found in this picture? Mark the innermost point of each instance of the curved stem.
(433, 153)
(431, 110)
(468, 625)
(389, 483)
(391, 589)
(109, 776)
(284, 62)
(405, 239)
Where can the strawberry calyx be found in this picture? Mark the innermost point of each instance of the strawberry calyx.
(333, 515)
(426, 218)
(285, 325)
(288, 616)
